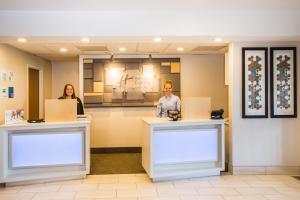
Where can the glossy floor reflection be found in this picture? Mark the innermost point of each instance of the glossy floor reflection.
(139, 187)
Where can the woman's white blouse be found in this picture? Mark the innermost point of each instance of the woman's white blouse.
(166, 103)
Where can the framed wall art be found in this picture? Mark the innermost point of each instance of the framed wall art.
(283, 82)
(254, 82)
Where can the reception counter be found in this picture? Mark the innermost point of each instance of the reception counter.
(42, 151)
(182, 149)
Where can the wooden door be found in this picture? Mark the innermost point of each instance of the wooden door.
(33, 93)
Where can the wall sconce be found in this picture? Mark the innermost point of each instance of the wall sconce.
(150, 57)
(112, 59)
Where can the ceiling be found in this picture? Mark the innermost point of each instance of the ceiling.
(49, 47)
(102, 5)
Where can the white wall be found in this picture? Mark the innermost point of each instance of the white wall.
(63, 73)
(12, 59)
(261, 142)
(122, 127)
(204, 76)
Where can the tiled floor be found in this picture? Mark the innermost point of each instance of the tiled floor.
(139, 187)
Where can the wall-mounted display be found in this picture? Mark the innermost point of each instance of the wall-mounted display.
(255, 82)
(283, 82)
(128, 81)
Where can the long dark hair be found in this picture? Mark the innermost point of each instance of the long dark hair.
(65, 91)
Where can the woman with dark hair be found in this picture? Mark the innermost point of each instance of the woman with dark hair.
(69, 93)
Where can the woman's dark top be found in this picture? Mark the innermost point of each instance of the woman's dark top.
(79, 106)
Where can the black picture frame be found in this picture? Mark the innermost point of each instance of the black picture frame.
(254, 82)
(283, 79)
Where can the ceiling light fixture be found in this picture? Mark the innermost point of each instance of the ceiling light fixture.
(157, 39)
(22, 40)
(218, 39)
(85, 40)
(180, 49)
(63, 49)
(122, 49)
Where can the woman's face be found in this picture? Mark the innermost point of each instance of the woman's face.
(168, 89)
(69, 91)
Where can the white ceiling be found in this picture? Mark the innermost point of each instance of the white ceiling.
(49, 47)
(149, 5)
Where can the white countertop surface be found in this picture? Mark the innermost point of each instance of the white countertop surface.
(25, 124)
(165, 121)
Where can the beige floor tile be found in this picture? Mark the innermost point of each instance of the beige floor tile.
(126, 175)
(41, 188)
(282, 197)
(96, 194)
(146, 186)
(229, 183)
(102, 179)
(81, 187)
(165, 185)
(244, 197)
(127, 193)
(126, 186)
(147, 192)
(167, 192)
(142, 179)
(125, 198)
(267, 183)
(67, 182)
(275, 177)
(257, 191)
(217, 191)
(107, 186)
(204, 197)
(160, 198)
(241, 177)
(176, 191)
(18, 196)
(54, 196)
(10, 190)
(142, 175)
(289, 190)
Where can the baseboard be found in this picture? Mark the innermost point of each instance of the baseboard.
(117, 150)
(265, 170)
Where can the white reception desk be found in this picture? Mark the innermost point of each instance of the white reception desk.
(41, 151)
(182, 149)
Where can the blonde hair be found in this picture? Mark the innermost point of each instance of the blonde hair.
(168, 82)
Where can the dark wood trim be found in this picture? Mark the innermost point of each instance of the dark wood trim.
(116, 150)
(294, 49)
(244, 49)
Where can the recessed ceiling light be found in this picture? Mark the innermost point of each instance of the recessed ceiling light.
(63, 49)
(180, 49)
(218, 39)
(22, 40)
(85, 40)
(122, 49)
(157, 39)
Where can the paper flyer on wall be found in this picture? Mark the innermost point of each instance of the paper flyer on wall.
(4, 92)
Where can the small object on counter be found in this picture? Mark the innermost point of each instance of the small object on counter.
(35, 120)
(173, 115)
(217, 114)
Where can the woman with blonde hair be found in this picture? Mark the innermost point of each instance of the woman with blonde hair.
(169, 101)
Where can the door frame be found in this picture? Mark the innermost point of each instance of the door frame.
(41, 90)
